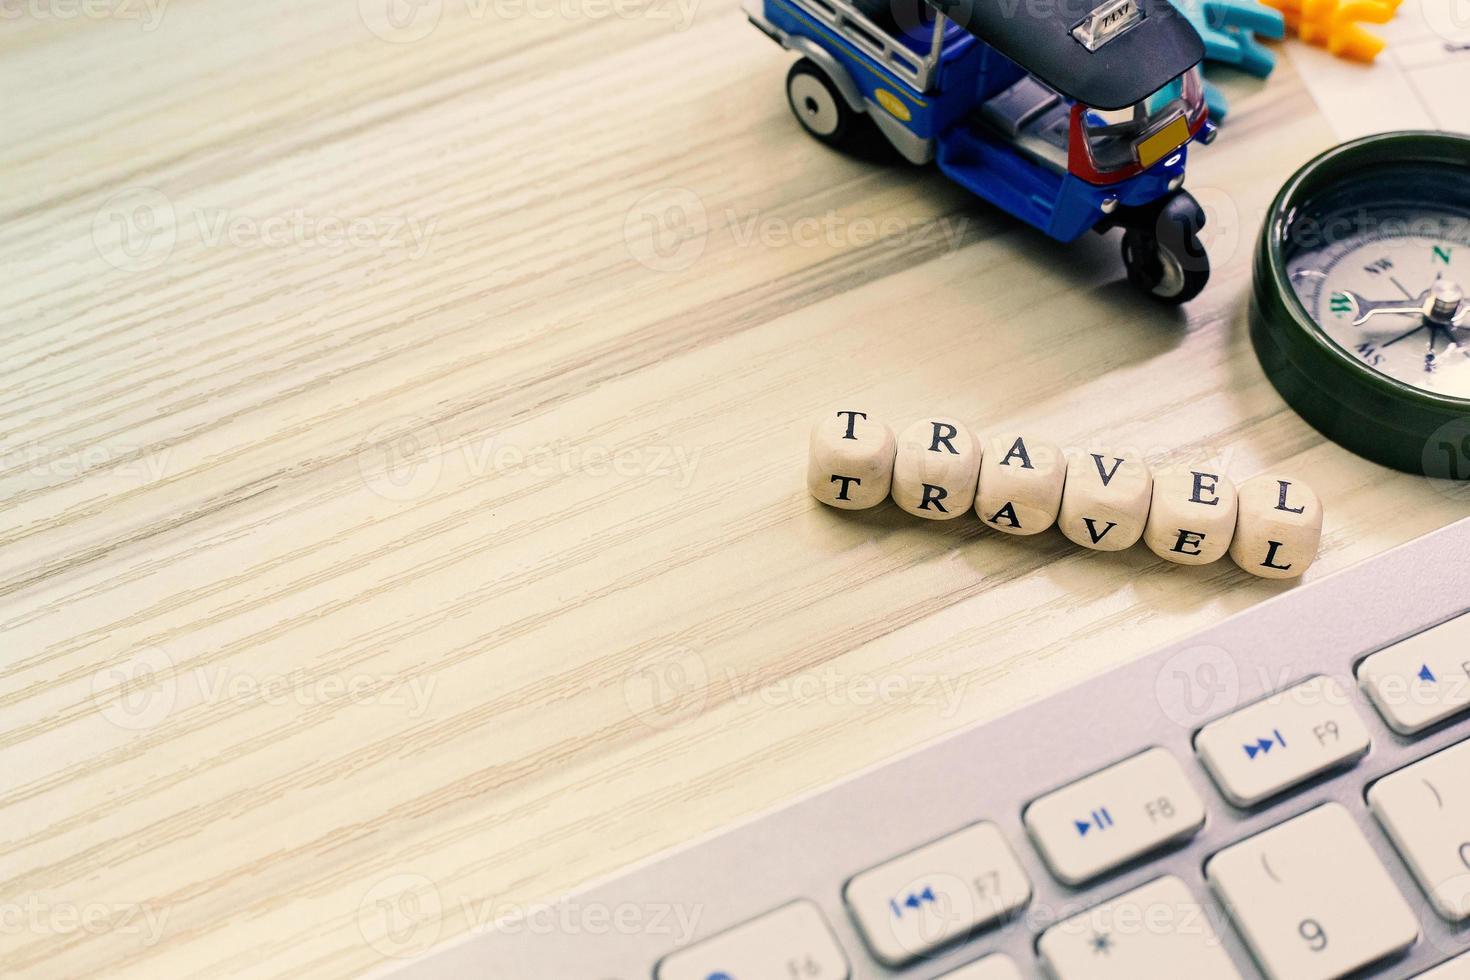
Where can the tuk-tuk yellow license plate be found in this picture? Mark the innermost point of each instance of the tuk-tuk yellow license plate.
(1162, 143)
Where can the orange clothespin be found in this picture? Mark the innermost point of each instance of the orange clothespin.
(1337, 24)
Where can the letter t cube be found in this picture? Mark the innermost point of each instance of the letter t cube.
(851, 462)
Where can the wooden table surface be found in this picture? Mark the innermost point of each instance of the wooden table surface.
(404, 425)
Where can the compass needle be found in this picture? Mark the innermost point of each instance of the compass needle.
(1403, 336)
(1367, 309)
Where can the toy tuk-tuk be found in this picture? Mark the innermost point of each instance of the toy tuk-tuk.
(1072, 115)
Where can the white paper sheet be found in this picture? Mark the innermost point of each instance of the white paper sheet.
(1421, 81)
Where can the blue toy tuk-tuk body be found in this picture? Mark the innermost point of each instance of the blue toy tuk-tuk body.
(937, 89)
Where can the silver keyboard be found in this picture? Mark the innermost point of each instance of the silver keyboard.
(1284, 795)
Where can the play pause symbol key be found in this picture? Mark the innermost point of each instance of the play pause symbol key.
(1115, 816)
(1099, 820)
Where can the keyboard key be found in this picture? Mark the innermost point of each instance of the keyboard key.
(1157, 932)
(1283, 741)
(1456, 969)
(944, 891)
(997, 967)
(793, 941)
(1425, 809)
(1311, 898)
(1105, 820)
(1423, 680)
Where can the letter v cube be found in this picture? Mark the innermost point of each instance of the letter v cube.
(1105, 500)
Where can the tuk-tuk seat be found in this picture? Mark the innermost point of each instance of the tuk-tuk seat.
(1034, 117)
(1013, 109)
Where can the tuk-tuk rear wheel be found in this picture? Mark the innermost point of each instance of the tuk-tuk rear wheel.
(1170, 274)
(820, 108)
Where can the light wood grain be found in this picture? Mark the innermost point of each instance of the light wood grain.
(363, 678)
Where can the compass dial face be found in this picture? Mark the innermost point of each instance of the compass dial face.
(1390, 285)
(1360, 311)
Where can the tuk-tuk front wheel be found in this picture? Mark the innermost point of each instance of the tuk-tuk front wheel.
(820, 108)
(1163, 251)
(1172, 269)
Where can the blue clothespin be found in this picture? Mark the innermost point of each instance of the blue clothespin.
(1230, 29)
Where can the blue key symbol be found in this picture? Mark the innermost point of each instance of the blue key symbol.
(1262, 746)
(1100, 819)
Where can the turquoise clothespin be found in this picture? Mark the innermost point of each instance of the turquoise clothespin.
(1230, 29)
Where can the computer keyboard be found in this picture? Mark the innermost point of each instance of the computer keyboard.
(1284, 795)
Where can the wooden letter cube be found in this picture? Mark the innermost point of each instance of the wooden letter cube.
(1106, 499)
(1279, 527)
(1192, 518)
(851, 462)
(1020, 484)
(936, 468)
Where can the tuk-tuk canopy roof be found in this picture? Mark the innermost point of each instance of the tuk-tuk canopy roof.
(1107, 54)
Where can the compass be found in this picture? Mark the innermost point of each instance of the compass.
(1361, 308)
